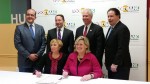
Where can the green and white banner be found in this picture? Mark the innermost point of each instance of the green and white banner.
(12, 11)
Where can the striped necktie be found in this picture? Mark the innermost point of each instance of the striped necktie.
(59, 34)
(85, 31)
(109, 31)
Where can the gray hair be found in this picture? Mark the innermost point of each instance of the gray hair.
(89, 11)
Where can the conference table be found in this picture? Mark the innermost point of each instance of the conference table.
(10, 77)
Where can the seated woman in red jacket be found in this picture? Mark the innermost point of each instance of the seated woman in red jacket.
(52, 62)
(82, 62)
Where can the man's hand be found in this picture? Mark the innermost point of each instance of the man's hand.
(33, 57)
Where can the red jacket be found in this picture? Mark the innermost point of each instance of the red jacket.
(89, 64)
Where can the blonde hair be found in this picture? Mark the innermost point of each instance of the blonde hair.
(86, 42)
(57, 41)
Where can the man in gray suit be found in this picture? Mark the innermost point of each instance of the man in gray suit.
(29, 40)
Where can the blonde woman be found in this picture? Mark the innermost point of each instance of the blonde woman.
(54, 61)
(82, 62)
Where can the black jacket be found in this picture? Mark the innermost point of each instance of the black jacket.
(117, 47)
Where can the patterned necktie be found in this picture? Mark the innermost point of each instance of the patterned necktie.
(109, 31)
(85, 31)
(31, 30)
(59, 34)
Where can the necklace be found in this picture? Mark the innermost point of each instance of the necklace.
(80, 58)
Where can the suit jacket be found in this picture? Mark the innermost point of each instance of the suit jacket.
(117, 46)
(45, 64)
(67, 40)
(96, 40)
(26, 45)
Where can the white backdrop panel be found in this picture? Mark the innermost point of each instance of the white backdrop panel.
(133, 14)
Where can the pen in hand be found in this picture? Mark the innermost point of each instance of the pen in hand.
(65, 74)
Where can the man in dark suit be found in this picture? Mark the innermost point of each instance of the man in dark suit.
(29, 40)
(62, 33)
(94, 33)
(117, 56)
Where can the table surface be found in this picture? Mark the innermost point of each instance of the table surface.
(9, 77)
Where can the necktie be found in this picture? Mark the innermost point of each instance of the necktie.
(59, 34)
(109, 31)
(31, 30)
(85, 31)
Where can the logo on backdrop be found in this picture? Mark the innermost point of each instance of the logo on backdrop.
(127, 9)
(46, 12)
(101, 0)
(70, 25)
(63, 1)
(135, 65)
(103, 23)
(79, 11)
(134, 37)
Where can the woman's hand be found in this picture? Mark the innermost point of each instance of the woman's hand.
(65, 74)
(114, 68)
(87, 77)
(38, 73)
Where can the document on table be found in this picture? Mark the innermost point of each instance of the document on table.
(50, 80)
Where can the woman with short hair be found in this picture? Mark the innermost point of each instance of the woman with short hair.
(82, 62)
(54, 61)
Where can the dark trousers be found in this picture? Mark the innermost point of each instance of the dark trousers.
(122, 73)
(23, 69)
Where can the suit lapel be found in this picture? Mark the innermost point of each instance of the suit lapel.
(107, 37)
(110, 35)
(64, 34)
(36, 31)
(81, 30)
(113, 31)
(90, 30)
(55, 33)
(27, 31)
(107, 33)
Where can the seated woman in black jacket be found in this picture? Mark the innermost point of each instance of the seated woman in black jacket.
(52, 62)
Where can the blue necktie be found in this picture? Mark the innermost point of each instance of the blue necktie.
(110, 30)
(31, 30)
(59, 34)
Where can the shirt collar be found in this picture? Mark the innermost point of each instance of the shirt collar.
(115, 24)
(62, 29)
(88, 26)
(33, 24)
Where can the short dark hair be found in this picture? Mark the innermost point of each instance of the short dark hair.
(117, 12)
(60, 16)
